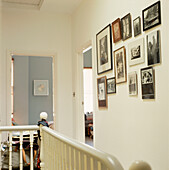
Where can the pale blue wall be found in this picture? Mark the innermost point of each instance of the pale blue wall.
(21, 96)
(87, 58)
(27, 107)
(40, 68)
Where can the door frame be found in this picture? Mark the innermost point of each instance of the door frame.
(11, 53)
(79, 107)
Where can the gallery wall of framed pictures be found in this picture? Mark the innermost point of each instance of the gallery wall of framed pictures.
(128, 49)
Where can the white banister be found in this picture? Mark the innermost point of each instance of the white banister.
(59, 152)
(20, 129)
(72, 155)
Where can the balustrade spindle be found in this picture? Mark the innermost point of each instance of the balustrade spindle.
(0, 149)
(31, 150)
(10, 150)
(42, 165)
(21, 148)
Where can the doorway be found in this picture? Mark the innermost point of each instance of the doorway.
(32, 89)
(88, 95)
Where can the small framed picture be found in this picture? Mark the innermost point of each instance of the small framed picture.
(111, 85)
(116, 29)
(147, 83)
(151, 16)
(137, 26)
(153, 48)
(104, 50)
(102, 91)
(41, 88)
(120, 65)
(136, 52)
(126, 27)
(132, 82)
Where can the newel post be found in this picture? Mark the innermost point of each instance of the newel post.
(42, 164)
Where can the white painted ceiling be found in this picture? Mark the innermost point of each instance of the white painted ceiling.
(59, 6)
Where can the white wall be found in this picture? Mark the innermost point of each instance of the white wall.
(131, 129)
(41, 33)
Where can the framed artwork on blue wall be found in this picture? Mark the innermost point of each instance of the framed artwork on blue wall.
(41, 88)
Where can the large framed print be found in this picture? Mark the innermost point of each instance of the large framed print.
(136, 52)
(153, 48)
(41, 88)
(116, 29)
(151, 16)
(102, 91)
(137, 26)
(104, 50)
(132, 82)
(111, 85)
(147, 83)
(120, 65)
(126, 27)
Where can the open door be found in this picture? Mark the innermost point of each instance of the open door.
(88, 95)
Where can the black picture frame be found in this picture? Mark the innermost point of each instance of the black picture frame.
(111, 85)
(153, 48)
(137, 26)
(151, 16)
(104, 50)
(132, 83)
(147, 83)
(102, 92)
(120, 65)
(126, 27)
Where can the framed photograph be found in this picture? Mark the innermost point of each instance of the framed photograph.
(126, 27)
(120, 65)
(153, 48)
(136, 52)
(104, 50)
(137, 26)
(41, 88)
(116, 29)
(151, 16)
(132, 80)
(147, 83)
(111, 85)
(102, 91)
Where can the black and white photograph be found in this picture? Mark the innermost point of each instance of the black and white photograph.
(137, 26)
(132, 83)
(120, 65)
(104, 50)
(111, 85)
(136, 54)
(102, 91)
(151, 16)
(153, 48)
(147, 83)
(126, 27)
